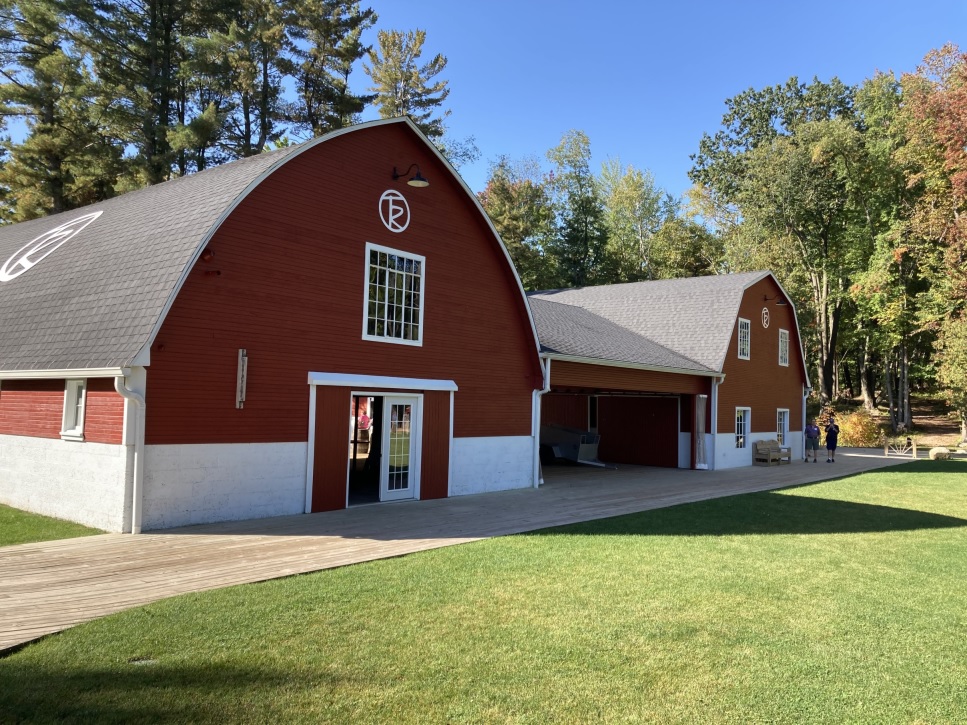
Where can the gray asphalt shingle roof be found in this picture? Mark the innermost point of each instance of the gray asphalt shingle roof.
(692, 318)
(569, 330)
(94, 301)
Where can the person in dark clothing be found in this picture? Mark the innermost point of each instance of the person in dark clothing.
(812, 440)
(832, 433)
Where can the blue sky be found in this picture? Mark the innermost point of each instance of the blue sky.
(645, 80)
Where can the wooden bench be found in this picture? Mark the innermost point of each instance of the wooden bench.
(770, 453)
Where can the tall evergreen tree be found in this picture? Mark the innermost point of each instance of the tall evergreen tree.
(327, 35)
(64, 161)
(582, 235)
(402, 86)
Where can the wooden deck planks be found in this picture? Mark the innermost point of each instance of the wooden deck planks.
(50, 586)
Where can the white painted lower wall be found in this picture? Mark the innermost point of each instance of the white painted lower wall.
(196, 484)
(479, 465)
(728, 456)
(684, 450)
(78, 481)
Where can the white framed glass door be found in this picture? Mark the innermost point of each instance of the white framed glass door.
(399, 465)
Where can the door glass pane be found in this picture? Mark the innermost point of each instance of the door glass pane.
(399, 447)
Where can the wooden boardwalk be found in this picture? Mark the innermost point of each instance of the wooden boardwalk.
(51, 586)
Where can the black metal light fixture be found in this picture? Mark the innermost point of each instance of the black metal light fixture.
(781, 300)
(416, 180)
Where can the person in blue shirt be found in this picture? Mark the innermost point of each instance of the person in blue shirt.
(812, 440)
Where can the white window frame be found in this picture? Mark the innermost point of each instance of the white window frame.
(75, 405)
(784, 348)
(742, 432)
(370, 247)
(782, 431)
(745, 325)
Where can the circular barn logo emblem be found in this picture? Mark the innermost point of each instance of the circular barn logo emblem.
(44, 245)
(765, 316)
(394, 211)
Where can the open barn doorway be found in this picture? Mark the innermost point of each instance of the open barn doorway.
(383, 448)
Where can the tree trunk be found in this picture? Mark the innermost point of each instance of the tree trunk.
(888, 389)
(863, 371)
(905, 388)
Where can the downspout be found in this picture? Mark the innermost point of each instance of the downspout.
(715, 419)
(536, 422)
(136, 482)
(806, 390)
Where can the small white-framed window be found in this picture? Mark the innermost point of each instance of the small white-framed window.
(784, 347)
(743, 418)
(393, 310)
(782, 425)
(745, 339)
(75, 398)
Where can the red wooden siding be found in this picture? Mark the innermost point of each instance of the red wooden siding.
(565, 374)
(291, 292)
(761, 383)
(435, 470)
(638, 430)
(330, 467)
(103, 412)
(36, 408)
(32, 408)
(570, 411)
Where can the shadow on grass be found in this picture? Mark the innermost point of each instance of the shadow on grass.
(142, 692)
(762, 513)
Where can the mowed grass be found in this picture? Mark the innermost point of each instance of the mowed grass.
(20, 527)
(844, 601)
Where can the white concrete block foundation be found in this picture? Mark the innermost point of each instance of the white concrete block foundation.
(480, 465)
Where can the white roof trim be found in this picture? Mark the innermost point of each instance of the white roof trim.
(631, 365)
(349, 380)
(143, 357)
(65, 373)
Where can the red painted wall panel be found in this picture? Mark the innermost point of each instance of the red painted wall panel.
(435, 472)
(330, 467)
(565, 374)
(638, 430)
(761, 383)
(103, 412)
(570, 411)
(291, 291)
(36, 408)
(32, 408)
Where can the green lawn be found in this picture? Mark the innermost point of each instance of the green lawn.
(20, 527)
(844, 601)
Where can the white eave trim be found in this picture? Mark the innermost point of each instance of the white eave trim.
(66, 373)
(384, 382)
(632, 366)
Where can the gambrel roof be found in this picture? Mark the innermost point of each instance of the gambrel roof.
(86, 291)
(94, 300)
(691, 318)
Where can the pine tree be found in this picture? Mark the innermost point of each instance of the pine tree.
(65, 161)
(404, 88)
(327, 35)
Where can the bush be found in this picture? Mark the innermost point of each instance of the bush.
(860, 430)
(939, 454)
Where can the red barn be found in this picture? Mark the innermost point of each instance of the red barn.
(297, 331)
(683, 373)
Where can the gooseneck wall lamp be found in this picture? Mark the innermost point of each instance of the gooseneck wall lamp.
(416, 180)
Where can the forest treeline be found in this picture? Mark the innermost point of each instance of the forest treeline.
(853, 195)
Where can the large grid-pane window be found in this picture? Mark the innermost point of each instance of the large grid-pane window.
(745, 338)
(742, 417)
(394, 296)
(784, 347)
